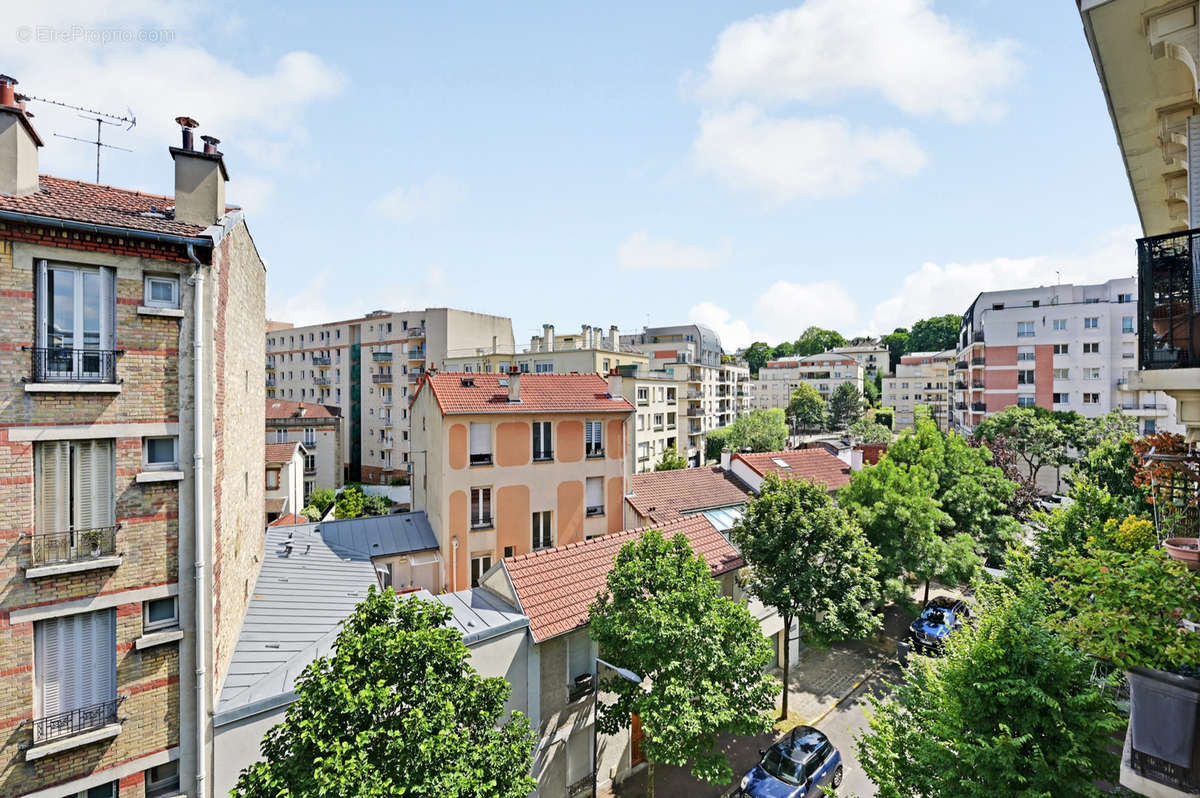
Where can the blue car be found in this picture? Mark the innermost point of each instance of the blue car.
(937, 622)
(797, 766)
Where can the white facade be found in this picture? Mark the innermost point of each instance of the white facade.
(825, 372)
(922, 378)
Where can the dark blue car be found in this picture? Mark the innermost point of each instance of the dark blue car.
(795, 767)
(938, 620)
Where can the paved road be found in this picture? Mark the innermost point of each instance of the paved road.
(843, 723)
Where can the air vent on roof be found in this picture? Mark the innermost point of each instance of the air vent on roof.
(502, 382)
(468, 382)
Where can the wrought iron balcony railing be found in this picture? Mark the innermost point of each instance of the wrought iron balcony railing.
(416, 332)
(321, 360)
(64, 364)
(75, 545)
(381, 379)
(76, 721)
(960, 365)
(979, 407)
(381, 357)
(1169, 300)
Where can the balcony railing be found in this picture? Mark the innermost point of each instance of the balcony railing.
(311, 445)
(321, 381)
(977, 361)
(76, 545)
(695, 411)
(416, 354)
(382, 379)
(381, 357)
(63, 364)
(321, 360)
(416, 332)
(977, 337)
(270, 382)
(270, 365)
(1169, 300)
(960, 365)
(978, 407)
(76, 721)
(414, 376)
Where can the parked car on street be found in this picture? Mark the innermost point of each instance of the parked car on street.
(795, 767)
(939, 619)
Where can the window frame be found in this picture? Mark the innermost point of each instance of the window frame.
(541, 538)
(173, 465)
(598, 450)
(147, 295)
(593, 511)
(480, 521)
(155, 626)
(542, 432)
(480, 458)
(477, 579)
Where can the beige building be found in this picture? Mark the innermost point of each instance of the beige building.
(825, 372)
(922, 378)
(518, 462)
(589, 351)
(132, 455)
(319, 428)
(874, 357)
(369, 367)
(660, 422)
(284, 480)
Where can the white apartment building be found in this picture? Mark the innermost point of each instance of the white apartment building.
(369, 367)
(660, 422)
(825, 372)
(1062, 347)
(922, 378)
(874, 357)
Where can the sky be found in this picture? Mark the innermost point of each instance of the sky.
(854, 164)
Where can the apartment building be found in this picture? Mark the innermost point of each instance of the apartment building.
(132, 449)
(874, 357)
(691, 353)
(826, 372)
(1061, 347)
(319, 428)
(369, 367)
(922, 378)
(589, 351)
(660, 422)
(513, 463)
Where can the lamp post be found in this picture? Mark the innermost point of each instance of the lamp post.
(628, 676)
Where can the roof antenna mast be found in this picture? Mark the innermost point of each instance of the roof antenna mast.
(101, 119)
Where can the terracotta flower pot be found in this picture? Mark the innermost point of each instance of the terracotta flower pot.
(1186, 550)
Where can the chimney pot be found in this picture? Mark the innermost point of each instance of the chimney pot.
(210, 144)
(7, 91)
(186, 123)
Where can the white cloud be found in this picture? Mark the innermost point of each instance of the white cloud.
(734, 333)
(781, 313)
(312, 303)
(640, 252)
(918, 60)
(426, 200)
(785, 159)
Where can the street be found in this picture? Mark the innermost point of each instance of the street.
(847, 720)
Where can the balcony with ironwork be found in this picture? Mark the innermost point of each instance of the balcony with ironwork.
(324, 381)
(978, 361)
(89, 720)
(381, 357)
(1169, 300)
(52, 553)
(310, 444)
(382, 379)
(321, 360)
(270, 365)
(695, 411)
(960, 365)
(978, 407)
(270, 382)
(417, 353)
(415, 332)
(57, 364)
(977, 337)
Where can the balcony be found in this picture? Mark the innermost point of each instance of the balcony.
(695, 412)
(270, 382)
(381, 357)
(414, 376)
(977, 361)
(416, 354)
(311, 445)
(415, 332)
(978, 407)
(64, 364)
(695, 396)
(323, 381)
(321, 360)
(960, 365)
(1168, 291)
(977, 338)
(959, 385)
(76, 721)
(960, 405)
(384, 379)
(73, 546)
(270, 365)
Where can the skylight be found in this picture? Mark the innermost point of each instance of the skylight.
(780, 463)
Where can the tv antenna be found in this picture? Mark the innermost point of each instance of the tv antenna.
(101, 119)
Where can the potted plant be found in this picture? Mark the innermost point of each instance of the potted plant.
(93, 538)
(1169, 470)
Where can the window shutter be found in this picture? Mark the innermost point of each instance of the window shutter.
(42, 282)
(94, 484)
(595, 492)
(108, 310)
(53, 479)
(48, 663)
(481, 438)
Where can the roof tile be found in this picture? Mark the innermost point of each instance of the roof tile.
(816, 464)
(663, 496)
(540, 393)
(94, 203)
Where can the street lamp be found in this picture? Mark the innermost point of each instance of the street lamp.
(628, 676)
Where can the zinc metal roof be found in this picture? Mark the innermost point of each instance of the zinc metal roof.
(381, 535)
(478, 613)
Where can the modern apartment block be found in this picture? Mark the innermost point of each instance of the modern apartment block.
(369, 367)
(513, 463)
(131, 439)
(661, 421)
(826, 372)
(589, 351)
(874, 357)
(691, 353)
(1061, 347)
(922, 378)
(319, 428)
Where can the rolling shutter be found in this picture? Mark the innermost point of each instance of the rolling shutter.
(94, 484)
(75, 661)
(595, 492)
(481, 438)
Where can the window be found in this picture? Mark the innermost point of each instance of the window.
(161, 291)
(272, 479)
(281, 436)
(1150, 426)
(310, 436)
(1024, 329)
(108, 790)
(509, 551)
(1061, 349)
(1025, 377)
(75, 309)
(593, 442)
(658, 421)
(542, 537)
(1091, 398)
(74, 487)
(75, 667)
(159, 613)
(160, 453)
(480, 563)
(643, 396)
(1025, 354)
(1124, 298)
(1091, 373)
(541, 441)
(1127, 324)
(481, 508)
(310, 462)
(543, 366)
(1025, 401)
(1091, 348)
(1060, 324)
(1062, 374)
(1091, 323)
(1062, 399)
(595, 496)
(481, 444)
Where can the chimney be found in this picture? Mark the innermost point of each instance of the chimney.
(856, 459)
(200, 178)
(514, 384)
(547, 337)
(19, 143)
(585, 332)
(726, 457)
(614, 338)
(614, 384)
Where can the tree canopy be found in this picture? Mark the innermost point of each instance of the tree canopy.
(935, 334)
(757, 354)
(815, 340)
(845, 406)
(397, 709)
(703, 656)
(671, 460)
(867, 431)
(810, 561)
(806, 409)
(760, 431)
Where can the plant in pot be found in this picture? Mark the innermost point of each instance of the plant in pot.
(93, 538)
(1170, 472)
(1137, 610)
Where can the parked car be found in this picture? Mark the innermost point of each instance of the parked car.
(937, 622)
(795, 767)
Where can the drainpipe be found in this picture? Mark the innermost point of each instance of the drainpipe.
(198, 510)
(454, 565)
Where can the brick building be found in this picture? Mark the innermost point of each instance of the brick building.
(131, 450)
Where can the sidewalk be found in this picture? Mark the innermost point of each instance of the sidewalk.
(819, 681)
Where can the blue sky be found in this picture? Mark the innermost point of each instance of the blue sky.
(848, 163)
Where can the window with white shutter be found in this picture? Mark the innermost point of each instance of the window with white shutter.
(75, 512)
(481, 444)
(75, 673)
(593, 440)
(595, 495)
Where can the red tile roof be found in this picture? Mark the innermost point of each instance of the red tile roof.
(283, 409)
(556, 586)
(816, 464)
(281, 452)
(540, 393)
(94, 203)
(290, 519)
(663, 496)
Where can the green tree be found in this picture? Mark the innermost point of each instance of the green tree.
(1037, 439)
(785, 349)
(845, 406)
(867, 431)
(321, 498)
(759, 431)
(350, 503)
(872, 390)
(376, 505)
(757, 354)
(897, 345)
(1010, 710)
(662, 616)
(935, 334)
(806, 409)
(671, 460)
(396, 709)
(1110, 464)
(809, 561)
(815, 340)
(1067, 529)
